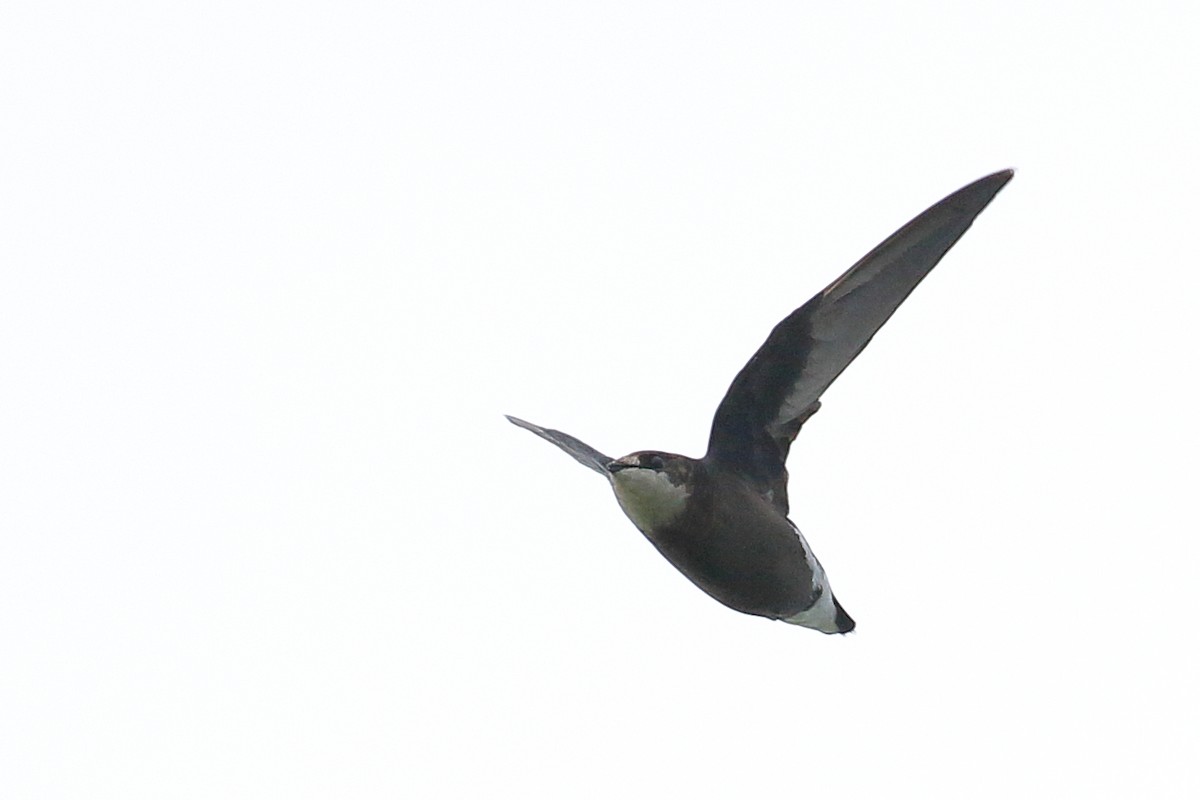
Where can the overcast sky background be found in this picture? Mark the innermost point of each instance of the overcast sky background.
(270, 274)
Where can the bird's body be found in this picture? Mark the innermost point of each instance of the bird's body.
(722, 520)
(700, 527)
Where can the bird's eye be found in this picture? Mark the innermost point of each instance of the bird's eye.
(655, 462)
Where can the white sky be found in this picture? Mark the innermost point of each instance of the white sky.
(271, 274)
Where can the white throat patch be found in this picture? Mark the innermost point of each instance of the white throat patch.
(648, 497)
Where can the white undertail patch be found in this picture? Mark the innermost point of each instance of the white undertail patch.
(822, 616)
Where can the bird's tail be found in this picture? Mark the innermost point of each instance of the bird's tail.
(843, 621)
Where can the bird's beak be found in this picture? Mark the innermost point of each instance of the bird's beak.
(616, 466)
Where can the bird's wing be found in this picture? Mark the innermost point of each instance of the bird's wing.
(584, 454)
(780, 387)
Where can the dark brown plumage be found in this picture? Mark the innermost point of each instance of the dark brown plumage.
(722, 520)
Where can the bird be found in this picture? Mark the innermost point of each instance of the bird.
(722, 520)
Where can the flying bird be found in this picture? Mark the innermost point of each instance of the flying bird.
(722, 520)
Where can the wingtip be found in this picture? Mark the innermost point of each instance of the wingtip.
(975, 196)
(995, 181)
(520, 423)
(1003, 176)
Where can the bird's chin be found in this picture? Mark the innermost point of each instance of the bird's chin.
(649, 498)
